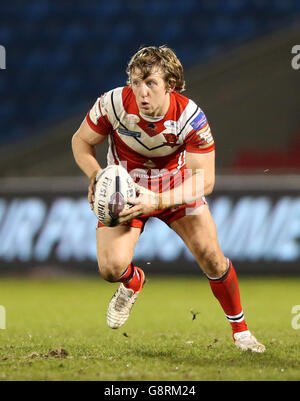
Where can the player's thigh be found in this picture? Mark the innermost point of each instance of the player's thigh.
(199, 233)
(115, 248)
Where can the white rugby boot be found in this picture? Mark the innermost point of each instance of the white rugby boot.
(244, 341)
(121, 303)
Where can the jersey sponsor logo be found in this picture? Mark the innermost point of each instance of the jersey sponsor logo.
(198, 121)
(171, 125)
(126, 132)
(171, 140)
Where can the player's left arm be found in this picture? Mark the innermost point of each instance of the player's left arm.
(199, 181)
(202, 165)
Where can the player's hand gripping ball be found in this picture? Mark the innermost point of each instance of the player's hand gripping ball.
(112, 189)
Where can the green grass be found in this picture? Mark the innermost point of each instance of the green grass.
(160, 341)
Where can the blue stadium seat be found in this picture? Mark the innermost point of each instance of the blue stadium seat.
(6, 35)
(35, 10)
(73, 34)
(123, 32)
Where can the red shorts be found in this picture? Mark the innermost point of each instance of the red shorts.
(166, 215)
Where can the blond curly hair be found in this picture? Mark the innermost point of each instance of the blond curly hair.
(162, 57)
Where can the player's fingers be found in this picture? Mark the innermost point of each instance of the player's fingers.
(91, 195)
(133, 201)
(127, 212)
(128, 218)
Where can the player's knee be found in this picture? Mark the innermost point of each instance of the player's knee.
(212, 262)
(111, 269)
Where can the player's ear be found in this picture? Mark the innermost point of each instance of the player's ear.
(170, 86)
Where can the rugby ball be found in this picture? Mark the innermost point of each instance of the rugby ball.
(112, 189)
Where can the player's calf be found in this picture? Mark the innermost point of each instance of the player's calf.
(226, 290)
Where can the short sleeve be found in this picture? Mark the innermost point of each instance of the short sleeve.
(199, 139)
(97, 118)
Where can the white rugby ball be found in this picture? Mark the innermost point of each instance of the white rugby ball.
(112, 189)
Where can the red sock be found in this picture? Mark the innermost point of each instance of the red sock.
(127, 275)
(226, 290)
(131, 278)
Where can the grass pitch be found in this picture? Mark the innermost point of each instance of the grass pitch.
(56, 330)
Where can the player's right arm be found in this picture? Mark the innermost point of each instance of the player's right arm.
(92, 132)
(84, 143)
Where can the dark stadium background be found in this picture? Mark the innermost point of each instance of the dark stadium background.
(241, 67)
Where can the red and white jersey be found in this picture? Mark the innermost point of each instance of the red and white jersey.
(150, 146)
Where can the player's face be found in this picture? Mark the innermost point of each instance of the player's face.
(151, 94)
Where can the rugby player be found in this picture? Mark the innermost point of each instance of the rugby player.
(157, 133)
